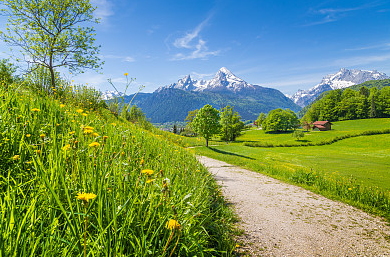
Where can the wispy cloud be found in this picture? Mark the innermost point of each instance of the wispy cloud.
(328, 15)
(122, 58)
(376, 46)
(103, 10)
(361, 60)
(202, 75)
(193, 45)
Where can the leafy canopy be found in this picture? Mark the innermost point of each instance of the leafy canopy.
(206, 122)
(231, 124)
(50, 33)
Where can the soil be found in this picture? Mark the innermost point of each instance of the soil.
(280, 219)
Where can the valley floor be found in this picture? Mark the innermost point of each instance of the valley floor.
(280, 219)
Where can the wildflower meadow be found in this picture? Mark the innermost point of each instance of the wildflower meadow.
(79, 181)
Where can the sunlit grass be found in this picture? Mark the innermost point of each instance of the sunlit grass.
(355, 170)
(53, 151)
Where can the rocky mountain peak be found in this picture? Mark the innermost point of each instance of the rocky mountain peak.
(341, 79)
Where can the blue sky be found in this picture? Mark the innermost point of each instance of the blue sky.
(287, 45)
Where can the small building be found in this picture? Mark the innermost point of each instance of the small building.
(322, 125)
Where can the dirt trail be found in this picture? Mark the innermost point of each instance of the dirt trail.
(285, 220)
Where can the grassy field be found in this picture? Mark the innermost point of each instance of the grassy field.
(356, 164)
(77, 182)
(340, 128)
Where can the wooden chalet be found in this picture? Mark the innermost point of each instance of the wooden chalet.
(322, 125)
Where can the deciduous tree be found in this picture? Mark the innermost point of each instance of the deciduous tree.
(231, 124)
(206, 122)
(50, 33)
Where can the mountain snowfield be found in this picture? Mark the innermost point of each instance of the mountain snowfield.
(224, 80)
(107, 95)
(342, 79)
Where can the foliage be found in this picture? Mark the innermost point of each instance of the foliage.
(231, 124)
(260, 119)
(348, 104)
(206, 122)
(280, 120)
(298, 134)
(50, 34)
(7, 72)
(52, 153)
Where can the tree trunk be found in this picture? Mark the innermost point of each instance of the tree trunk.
(207, 142)
(52, 76)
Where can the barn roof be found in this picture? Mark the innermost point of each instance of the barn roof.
(321, 123)
(319, 126)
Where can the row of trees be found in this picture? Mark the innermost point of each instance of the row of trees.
(208, 122)
(349, 104)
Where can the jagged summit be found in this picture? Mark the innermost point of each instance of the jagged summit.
(342, 79)
(224, 80)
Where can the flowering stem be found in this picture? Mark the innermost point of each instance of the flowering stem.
(85, 233)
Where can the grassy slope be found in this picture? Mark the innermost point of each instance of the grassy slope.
(47, 158)
(357, 162)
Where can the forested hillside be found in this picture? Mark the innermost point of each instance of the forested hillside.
(350, 104)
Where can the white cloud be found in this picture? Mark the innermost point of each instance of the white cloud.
(193, 45)
(335, 14)
(202, 75)
(361, 60)
(103, 9)
(376, 46)
(122, 58)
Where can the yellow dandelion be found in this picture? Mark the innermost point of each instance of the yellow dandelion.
(85, 196)
(349, 189)
(35, 110)
(105, 138)
(148, 172)
(149, 181)
(94, 144)
(29, 162)
(126, 74)
(84, 114)
(72, 132)
(16, 157)
(42, 136)
(66, 147)
(79, 110)
(142, 162)
(38, 152)
(172, 224)
(88, 131)
(95, 134)
(114, 124)
(28, 135)
(88, 128)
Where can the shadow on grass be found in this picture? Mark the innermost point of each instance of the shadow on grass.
(229, 153)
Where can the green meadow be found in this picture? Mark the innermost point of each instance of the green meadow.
(355, 170)
(79, 181)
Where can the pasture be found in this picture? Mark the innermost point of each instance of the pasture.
(353, 164)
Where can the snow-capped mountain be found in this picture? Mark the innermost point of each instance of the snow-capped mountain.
(342, 79)
(107, 95)
(224, 80)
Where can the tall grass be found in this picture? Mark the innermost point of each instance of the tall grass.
(52, 151)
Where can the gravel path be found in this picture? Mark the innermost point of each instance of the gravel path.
(285, 220)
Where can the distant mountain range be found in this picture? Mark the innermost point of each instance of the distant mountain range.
(173, 102)
(342, 79)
